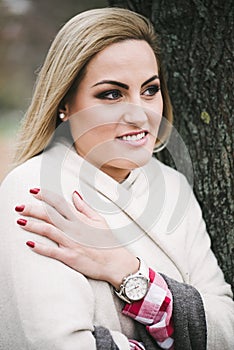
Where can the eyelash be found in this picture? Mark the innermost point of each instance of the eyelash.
(104, 95)
(154, 89)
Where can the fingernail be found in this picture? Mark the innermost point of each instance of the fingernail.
(30, 244)
(21, 222)
(78, 194)
(34, 190)
(19, 208)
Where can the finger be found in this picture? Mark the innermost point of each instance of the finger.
(45, 230)
(67, 256)
(56, 201)
(49, 251)
(83, 207)
(42, 212)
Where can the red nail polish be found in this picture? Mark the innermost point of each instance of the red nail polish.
(19, 208)
(21, 222)
(30, 244)
(78, 194)
(34, 190)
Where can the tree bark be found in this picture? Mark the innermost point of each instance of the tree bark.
(197, 47)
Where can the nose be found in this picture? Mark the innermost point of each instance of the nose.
(134, 114)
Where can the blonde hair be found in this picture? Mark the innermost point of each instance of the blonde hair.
(76, 43)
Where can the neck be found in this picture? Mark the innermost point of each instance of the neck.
(118, 175)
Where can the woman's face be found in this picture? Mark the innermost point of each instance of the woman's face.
(116, 112)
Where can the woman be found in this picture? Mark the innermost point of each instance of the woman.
(92, 200)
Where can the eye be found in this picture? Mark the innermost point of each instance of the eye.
(151, 90)
(109, 95)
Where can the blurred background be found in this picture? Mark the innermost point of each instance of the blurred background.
(27, 28)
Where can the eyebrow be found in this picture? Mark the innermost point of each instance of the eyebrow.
(122, 85)
(149, 80)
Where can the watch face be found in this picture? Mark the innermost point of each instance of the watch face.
(136, 288)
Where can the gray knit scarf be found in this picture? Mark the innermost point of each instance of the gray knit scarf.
(188, 319)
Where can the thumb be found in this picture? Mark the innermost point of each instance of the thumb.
(83, 207)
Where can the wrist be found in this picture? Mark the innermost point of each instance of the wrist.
(131, 267)
(134, 286)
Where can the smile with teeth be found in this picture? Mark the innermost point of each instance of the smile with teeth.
(135, 137)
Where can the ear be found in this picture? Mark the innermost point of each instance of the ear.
(63, 113)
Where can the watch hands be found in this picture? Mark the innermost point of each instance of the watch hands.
(135, 287)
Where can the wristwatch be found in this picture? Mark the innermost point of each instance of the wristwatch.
(135, 286)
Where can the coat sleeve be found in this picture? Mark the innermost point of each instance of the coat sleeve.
(188, 316)
(207, 278)
(44, 304)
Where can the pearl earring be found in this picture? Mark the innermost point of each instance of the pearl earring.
(62, 116)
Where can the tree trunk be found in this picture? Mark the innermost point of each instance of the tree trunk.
(197, 44)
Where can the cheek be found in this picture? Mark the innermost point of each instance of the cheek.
(154, 114)
(159, 106)
(97, 121)
(155, 120)
(91, 138)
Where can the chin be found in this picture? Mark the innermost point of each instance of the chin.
(122, 158)
(130, 163)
